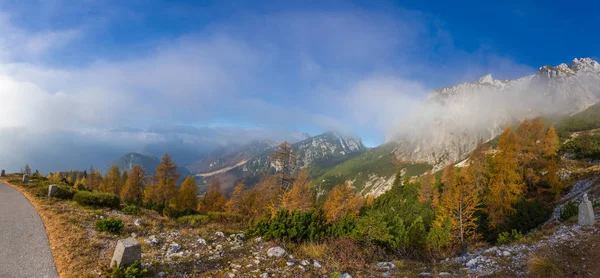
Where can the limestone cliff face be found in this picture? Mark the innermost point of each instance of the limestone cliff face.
(455, 118)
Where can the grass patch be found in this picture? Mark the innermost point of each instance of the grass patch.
(542, 267)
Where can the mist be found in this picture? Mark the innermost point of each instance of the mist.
(256, 77)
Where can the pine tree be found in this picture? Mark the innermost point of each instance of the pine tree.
(133, 190)
(213, 199)
(341, 201)
(112, 181)
(166, 177)
(506, 186)
(188, 193)
(300, 197)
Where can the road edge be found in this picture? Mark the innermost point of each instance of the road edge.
(44, 219)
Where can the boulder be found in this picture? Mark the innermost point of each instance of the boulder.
(586, 212)
(137, 222)
(25, 178)
(276, 252)
(174, 248)
(126, 253)
(2, 173)
(52, 190)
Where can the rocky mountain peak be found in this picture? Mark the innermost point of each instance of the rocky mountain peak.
(584, 64)
(479, 110)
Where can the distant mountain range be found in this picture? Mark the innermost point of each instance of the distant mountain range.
(148, 163)
(444, 130)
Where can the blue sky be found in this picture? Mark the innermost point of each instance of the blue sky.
(308, 66)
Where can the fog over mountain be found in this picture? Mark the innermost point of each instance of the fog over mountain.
(74, 94)
(449, 123)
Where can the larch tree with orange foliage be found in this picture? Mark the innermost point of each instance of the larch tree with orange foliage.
(166, 180)
(134, 185)
(458, 204)
(341, 201)
(530, 138)
(187, 195)
(428, 191)
(213, 199)
(236, 201)
(478, 169)
(112, 182)
(448, 174)
(506, 186)
(550, 150)
(300, 197)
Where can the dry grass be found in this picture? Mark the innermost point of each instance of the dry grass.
(542, 267)
(315, 251)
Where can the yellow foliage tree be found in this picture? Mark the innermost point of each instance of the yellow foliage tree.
(428, 191)
(151, 194)
(236, 203)
(81, 184)
(478, 169)
(94, 178)
(213, 199)
(506, 186)
(112, 182)
(166, 180)
(187, 197)
(458, 204)
(300, 197)
(551, 145)
(136, 181)
(341, 201)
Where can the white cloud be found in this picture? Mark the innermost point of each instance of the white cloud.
(324, 70)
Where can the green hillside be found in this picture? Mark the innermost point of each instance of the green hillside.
(378, 162)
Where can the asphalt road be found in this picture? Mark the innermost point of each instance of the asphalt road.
(24, 247)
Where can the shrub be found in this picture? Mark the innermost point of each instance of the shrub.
(224, 217)
(131, 210)
(567, 211)
(193, 220)
(542, 267)
(344, 228)
(506, 237)
(133, 271)
(294, 226)
(529, 215)
(96, 199)
(64, 192)
(172, 212)
(111, 225)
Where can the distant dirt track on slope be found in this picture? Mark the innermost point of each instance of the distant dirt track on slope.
(223, 170)
(24, 246)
